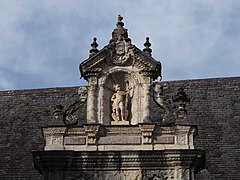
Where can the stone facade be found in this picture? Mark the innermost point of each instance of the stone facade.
(120, 95)
(123, 125)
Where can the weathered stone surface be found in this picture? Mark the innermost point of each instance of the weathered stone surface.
(75, 141)
(120, 123)
(106, 138)
(111, 140)
(120, 164)
(164, 140)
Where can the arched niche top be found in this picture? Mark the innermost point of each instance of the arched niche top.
(118, 75)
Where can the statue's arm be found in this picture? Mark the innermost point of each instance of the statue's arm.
(113, 97)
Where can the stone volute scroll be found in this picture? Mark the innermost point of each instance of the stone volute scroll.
(175, 108)
(67, 115)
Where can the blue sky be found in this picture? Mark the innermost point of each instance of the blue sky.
(43, 41)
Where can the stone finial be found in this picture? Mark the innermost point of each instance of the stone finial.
(181, 98)
(94, 46)
(120, 24)
(58, 115)
(119, 30)
(147, 48)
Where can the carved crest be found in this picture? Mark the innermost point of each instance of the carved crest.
(122, 50)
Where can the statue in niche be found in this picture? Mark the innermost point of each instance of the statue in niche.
(120, 101)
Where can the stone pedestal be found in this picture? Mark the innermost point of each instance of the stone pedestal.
(120, 123)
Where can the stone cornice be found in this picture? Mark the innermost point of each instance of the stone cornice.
(121, 160)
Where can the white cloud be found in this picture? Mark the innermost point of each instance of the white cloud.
(46, 40)
(5, 83)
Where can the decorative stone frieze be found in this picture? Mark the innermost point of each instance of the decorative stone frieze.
(143, 136)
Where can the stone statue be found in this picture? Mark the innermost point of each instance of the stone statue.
(120, 104)
(169, 116)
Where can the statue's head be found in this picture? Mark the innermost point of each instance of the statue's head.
(117, 87)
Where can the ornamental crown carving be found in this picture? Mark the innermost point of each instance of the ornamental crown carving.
(119, 52)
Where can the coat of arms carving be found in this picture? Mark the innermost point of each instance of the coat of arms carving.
(122, 49)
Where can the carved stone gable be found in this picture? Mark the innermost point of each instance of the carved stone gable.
(119, 77)
(121, 139)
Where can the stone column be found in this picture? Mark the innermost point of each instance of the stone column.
(146, 106)
(101, 104)
(92, 103)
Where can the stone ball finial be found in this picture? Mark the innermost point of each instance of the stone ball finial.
(94, 46)
(120, 24)
(181, 98)
(147, 48)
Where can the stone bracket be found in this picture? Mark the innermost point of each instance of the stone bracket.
(147, 132)
(91, 131)
(54, 137)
